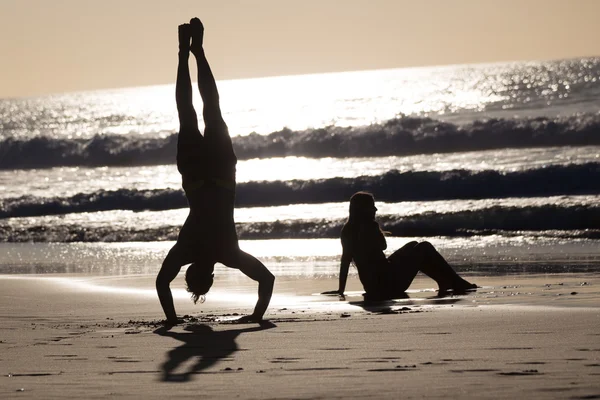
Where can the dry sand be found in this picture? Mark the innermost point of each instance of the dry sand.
(517, 337)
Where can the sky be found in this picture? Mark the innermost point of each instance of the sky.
(55, 46)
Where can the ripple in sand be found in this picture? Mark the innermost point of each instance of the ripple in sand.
(34, 374)
(460, 371)
(317, 369)
(510, 348)
(521, 373)
(336, 348)
(284, 360)
(528, 363)
(399, 368)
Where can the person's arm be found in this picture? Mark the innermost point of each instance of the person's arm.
(343, 277)
(381, 238)
(255, 270)
(167, 273)
(372, 237)
(265, 291)
(344, 267)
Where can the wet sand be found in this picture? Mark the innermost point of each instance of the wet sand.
(519, 336)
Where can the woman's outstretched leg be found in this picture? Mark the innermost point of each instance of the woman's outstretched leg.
(415, 257)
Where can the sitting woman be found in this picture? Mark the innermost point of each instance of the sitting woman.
(384, 277)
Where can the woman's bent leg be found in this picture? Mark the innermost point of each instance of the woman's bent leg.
(404, 267)
(425, 258)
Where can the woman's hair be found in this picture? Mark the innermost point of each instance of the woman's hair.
(361, 207)
(199, 279)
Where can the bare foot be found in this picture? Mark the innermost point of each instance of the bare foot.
(463, 286)
(185, 34)
(459, 286)
(197, 34)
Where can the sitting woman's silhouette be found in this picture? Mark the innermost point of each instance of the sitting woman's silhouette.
(207, 166)
(384, 277)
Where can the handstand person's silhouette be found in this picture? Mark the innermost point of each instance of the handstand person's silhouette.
(205, 345)
(207, 166)
(383, 277)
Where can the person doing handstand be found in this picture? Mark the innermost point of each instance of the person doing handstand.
(384, 277)
(207, 166)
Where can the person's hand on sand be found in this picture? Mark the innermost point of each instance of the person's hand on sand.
(172, 322)
(197, 31)
(248, 319)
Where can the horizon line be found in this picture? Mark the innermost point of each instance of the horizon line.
(431, 66)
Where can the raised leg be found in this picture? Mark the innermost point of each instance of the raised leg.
(206, 81)
(188, 120)
(215, 128)
(189, 140)
(415, 257)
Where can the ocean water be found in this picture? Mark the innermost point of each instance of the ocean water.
(496, 164)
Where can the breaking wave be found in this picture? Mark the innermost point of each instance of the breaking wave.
(568, 222)
(396, 137)
(392, 186)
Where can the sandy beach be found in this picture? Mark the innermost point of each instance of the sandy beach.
(520, 336)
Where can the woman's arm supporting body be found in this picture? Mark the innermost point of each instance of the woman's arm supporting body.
(345, 261)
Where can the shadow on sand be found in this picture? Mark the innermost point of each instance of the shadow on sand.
(402, 300)
(202, 342)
